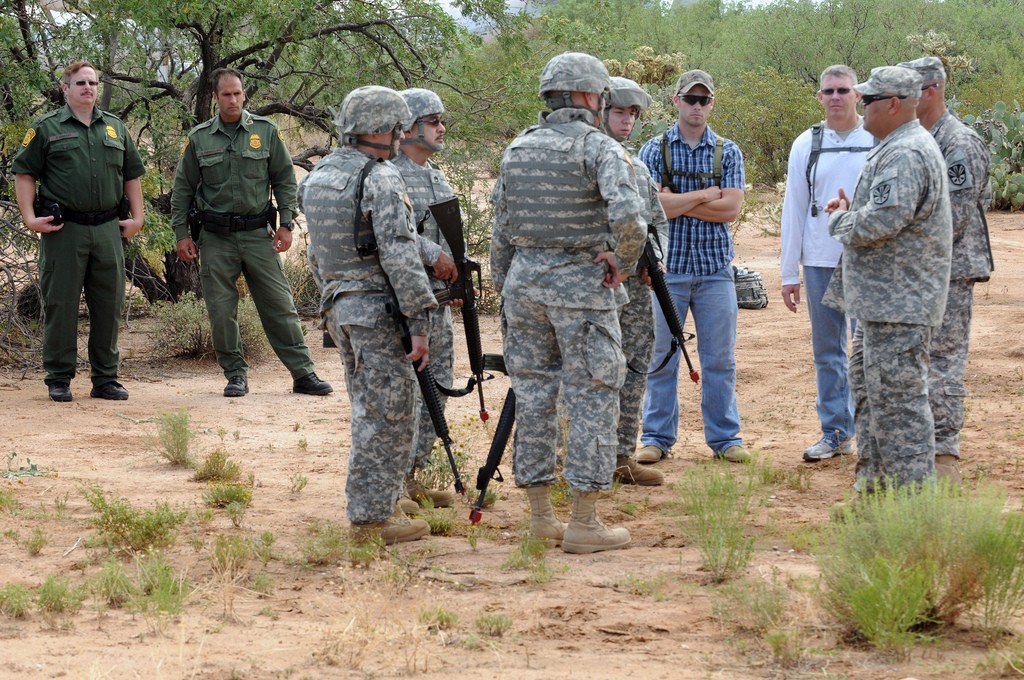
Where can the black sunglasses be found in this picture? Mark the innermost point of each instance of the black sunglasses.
(433, 121)
(872, 98)
(695, 99)
(829, 91)
(929, 86)
(83, 83)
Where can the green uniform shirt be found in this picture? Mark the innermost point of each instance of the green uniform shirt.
(233, 176)
(83, 168)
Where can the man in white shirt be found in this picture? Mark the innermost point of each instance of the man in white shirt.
(823, 159)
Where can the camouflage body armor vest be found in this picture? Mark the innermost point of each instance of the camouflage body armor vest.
(552, 200)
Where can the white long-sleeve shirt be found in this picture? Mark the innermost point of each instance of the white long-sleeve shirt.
(805, 239)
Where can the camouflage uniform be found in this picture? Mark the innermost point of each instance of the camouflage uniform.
(561, 327)
(636, 318)
(967, 169)
(357, 301)
(893, 278)
(426, 185)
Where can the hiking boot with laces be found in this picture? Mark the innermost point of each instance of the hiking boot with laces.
(311, 384)
(237, 386)
(628, 472)
(734, 454)
(59, 391)
(649, 454)
(421, 494)
(112, 391)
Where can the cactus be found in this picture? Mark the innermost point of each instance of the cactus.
(1003, 130)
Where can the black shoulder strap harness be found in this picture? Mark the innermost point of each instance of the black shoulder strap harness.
(714, 178)
(812, 160)
(367, 247)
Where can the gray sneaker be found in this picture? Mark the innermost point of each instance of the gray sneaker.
(826, 448)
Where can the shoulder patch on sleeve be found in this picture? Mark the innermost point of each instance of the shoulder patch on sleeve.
(30, 134)
(958, 171)
(184, 146)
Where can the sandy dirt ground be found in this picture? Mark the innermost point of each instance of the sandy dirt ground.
(646, 612)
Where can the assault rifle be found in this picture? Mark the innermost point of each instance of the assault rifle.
(449, 219)
(650, 261)
(431, 397)
(499, 443)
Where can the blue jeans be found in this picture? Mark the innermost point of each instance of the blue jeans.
(831, 365)
(712, 300)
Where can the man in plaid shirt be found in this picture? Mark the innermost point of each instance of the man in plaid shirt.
(699, 205)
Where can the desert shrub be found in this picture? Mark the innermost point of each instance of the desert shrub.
(183, 329)
(57, 595)
(763, 112)
(715, 504)
(174, 435)
(130, 529)
(328, 543)
(112, 586)
(902, 561)
(160, 591)
(217, 467)
(15, 600)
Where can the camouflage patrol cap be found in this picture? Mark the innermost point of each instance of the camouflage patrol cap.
(371, 110)
(574, 72)
(421, 102)
(626, 93)
(689, 79)
(930, 68)
(896, 81)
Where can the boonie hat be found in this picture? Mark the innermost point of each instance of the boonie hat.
(930, 68)
(896, 81)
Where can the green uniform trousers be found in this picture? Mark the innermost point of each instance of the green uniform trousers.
(79, 256)
(223, 258)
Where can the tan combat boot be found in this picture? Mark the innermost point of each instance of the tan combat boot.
(544, 524)
(947, 466)
(628, 472)
(421, 494)
(397, 529)
(586, 533)
(408, 505)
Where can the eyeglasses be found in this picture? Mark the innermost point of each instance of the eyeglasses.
(433, 121)
(83, 83)
(872, 98)
(696, 99)
(829, 91)
(929, 86)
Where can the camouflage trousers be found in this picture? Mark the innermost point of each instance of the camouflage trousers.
(382, 388)
(892, 417)
(442, 367)
(948, 354)
(576, 353)
(636, 319)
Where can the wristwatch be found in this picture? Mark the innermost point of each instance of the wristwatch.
(286, 225)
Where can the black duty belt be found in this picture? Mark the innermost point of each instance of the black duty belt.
(89, 218)
(225, 224)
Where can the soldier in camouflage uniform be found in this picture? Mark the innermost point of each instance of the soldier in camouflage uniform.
(85, 160)
(893, 276)
(366, 260)
(228, 168)
(636, 317)
(967, 170)
(425, 184)
(568, 226)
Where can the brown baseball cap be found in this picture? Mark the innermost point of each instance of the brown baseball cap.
(694, 77)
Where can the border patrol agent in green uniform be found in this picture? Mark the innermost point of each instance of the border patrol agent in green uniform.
(85, 161)
(228, 167)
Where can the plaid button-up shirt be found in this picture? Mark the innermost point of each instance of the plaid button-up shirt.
(696, 247)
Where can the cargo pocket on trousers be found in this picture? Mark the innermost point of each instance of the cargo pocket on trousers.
(605, 361)
(388, 391)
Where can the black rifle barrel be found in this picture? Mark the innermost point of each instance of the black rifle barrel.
(490, 469)
(668, 306)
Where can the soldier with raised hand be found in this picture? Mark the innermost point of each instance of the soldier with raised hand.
(626, 102)
(228, 168)
(893, 277)
(426, 184)
(568, 227)
(366, 260)
(84, 161)
(967, 169)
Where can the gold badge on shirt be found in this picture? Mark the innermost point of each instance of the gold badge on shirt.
(280, 135)
(30, 134)
(111, 132)
(254, 141)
